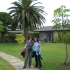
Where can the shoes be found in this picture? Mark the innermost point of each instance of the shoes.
(36, 67)
(41, 68)
(23, 67)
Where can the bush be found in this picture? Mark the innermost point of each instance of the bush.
(61, 35)
(20, 38)
(12, 36)
(56, 39)
(66, 38)
(34, 34)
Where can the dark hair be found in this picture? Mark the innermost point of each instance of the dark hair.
(37, 39)
(30, 37)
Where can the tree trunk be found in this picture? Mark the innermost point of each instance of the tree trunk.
(24, 27)
(26, 33)
(66, 54)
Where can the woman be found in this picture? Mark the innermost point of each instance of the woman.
(28, 55)
(36, 51)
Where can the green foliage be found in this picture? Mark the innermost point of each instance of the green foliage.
(62, 38)
(1, 28)
(12, 36)
(61, 35)
(5, 18)
(34, 34)
(29, 13)
(55, 39)
(20, 38)
(61, 18)
(67, 38)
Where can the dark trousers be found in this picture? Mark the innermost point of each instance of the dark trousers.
(37, 60)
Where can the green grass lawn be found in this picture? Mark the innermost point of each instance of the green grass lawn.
(5, 65)
(53, 54)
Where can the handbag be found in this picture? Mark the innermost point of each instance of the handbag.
(23, 52)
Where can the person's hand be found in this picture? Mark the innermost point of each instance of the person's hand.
(39, 52)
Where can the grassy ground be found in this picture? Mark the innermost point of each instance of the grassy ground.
(5, 65)
(53, 54)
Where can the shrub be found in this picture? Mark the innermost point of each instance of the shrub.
(66, 38)
(34, 34)
(12, 36)
(61, 35)
(20, 38)
(56, 39)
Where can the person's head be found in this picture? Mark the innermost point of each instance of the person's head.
(36, 39)
(30, 38)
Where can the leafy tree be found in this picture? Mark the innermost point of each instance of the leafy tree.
(1, 28)
(5, 18)
(61, 17)
(66, 40)
(29, 13)
(20, 39)
(61, 20)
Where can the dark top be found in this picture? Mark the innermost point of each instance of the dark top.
(29, 45)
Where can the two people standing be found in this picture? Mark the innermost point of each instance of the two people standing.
(36, 51)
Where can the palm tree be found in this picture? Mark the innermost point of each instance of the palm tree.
(28, 13)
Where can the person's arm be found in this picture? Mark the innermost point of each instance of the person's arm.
(25, 45)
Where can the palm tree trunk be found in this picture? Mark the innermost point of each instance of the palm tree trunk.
(24, 27)
(66, 54)
(26, 33)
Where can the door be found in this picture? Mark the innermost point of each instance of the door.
(49, 37)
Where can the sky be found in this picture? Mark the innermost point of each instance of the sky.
(49, 7)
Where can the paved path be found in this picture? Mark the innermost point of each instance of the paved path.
(15, 62)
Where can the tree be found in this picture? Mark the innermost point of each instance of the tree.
(61, 20)
(20, 39)
(61, 17)
(1, 28)
(66, 40)
(5, 18)
(28, 13)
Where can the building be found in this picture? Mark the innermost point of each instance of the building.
(47, 33)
